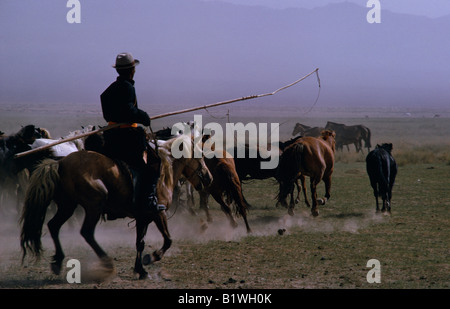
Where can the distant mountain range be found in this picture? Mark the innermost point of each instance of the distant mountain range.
(194, 52)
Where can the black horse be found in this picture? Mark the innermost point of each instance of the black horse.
(11, 167)
(14, 144)
(382, 169)
(250, 168)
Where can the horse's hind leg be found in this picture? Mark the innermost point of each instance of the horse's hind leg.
(204, 195)
(299, 189)
(160, 220)
(91, 218)
(327, 182)
(64, 212)
(291, 202)
(374, 185)
(314, 209)
(225, 208)
(141, 230)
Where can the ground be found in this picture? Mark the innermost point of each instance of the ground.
(329, 251)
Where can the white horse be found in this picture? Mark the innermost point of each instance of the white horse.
(64, 149)
(60, 150)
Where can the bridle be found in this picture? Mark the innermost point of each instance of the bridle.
(198, 172)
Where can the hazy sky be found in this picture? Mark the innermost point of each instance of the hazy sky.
(196, 52)
(429, 8)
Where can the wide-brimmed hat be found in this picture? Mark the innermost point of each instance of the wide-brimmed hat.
(125, 61)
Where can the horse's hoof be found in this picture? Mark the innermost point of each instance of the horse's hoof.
(156, 256)
(56, 268)
(203, 227)
(291, 212)
(147, 259)
(315, 213)
(143, 275)
(321, 201)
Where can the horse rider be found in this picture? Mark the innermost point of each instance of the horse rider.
(128, 141)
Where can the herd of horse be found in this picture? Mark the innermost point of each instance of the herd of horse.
(103, 186)
(345, 135)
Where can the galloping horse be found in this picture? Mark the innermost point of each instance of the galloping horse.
(308, 156)
(250, 168)
(103, 186)
(226, 184)
(382, 169)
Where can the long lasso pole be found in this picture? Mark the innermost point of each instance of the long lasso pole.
(235, 100)
(64, 140)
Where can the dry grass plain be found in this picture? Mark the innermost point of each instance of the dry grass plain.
(330, 251)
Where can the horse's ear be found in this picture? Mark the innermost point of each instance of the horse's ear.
(389, 147)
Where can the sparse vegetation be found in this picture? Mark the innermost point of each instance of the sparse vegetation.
(330, 251)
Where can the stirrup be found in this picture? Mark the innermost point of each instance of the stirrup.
(161, 207)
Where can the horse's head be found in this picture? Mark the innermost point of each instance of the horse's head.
(386, 146)
(330, 137)
(28, 134)
(43, 133)
(180, 156)
(197, 173)
(298, 129)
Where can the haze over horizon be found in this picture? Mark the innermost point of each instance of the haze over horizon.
(428, 8)
(196, 52)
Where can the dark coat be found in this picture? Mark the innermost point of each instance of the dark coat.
(119, 103)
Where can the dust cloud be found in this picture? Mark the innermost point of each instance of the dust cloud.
(121, 233)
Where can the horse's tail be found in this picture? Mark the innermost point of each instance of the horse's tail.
(40, 193)
(368, 145)
(233, 192)
(288, 169)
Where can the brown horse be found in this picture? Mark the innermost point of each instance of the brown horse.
(307, 130)
(225, 188)
(308, 156)
(101, 186)
(346, 135)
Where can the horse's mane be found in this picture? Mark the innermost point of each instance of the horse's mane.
(166, 173)
(165, 183)
(386, 146)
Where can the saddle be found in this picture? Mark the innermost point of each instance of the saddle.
(144, 173)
